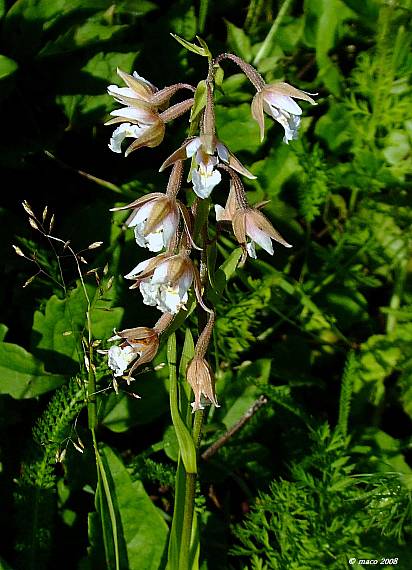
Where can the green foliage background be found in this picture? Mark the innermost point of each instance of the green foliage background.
(322, 472)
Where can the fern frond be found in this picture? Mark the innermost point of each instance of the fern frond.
(35, 496)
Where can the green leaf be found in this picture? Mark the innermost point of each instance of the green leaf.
(199, 50)
(122, 411)
(7, 67)
(186, 444)
(141, 529)
(92, 32)
(3, 563)
(227, 270)
(58, 331)
(198, 105)
(238, 41)
(171, 443)
(99, 71)
(22, 375)
(3, 331)
(237, 129)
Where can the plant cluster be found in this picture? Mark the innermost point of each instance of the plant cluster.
(246, 404)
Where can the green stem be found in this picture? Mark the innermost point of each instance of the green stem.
(203, 7)
(91, 393)
(190, 489)
(264, 48)
(397, 294)
(187, 521)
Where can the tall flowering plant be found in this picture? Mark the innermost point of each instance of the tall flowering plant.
(178, 234)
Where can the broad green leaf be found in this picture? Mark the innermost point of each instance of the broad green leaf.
(59, 329)
(237, 129)
(7, 67)
(238, 41)
(2, 8)
(142, 529)
(246, 389)
(93, 78)
(170, 443)
(22, 375)
(92, 32)
(122, 411)
(31, 19)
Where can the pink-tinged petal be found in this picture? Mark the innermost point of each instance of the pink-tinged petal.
(283, 88)
(179, 154)
(137, 84)
(261, 238)
(221, 214)
(140, 115)
(160, 273)
(222, 152)
(140, 267)
(283, 102)
(257, 113)
(250, 248)
(170, 223)
(114, 90)
(141, 214)
(192, 147)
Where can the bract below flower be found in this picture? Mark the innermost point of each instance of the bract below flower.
(277, 101)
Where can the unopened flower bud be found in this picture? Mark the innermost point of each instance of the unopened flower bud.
(201, 378)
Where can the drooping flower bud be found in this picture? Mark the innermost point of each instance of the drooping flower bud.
(277, 101)
(202, 380)
(199, 373)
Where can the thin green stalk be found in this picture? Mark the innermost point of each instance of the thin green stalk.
(203, 8)
(187, 521)
(91, 393)
(265, 47)
(397, 294)
(190, 489)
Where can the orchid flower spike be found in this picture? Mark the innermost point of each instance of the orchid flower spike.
(207, 153)
(277, 101)
(164, 281)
